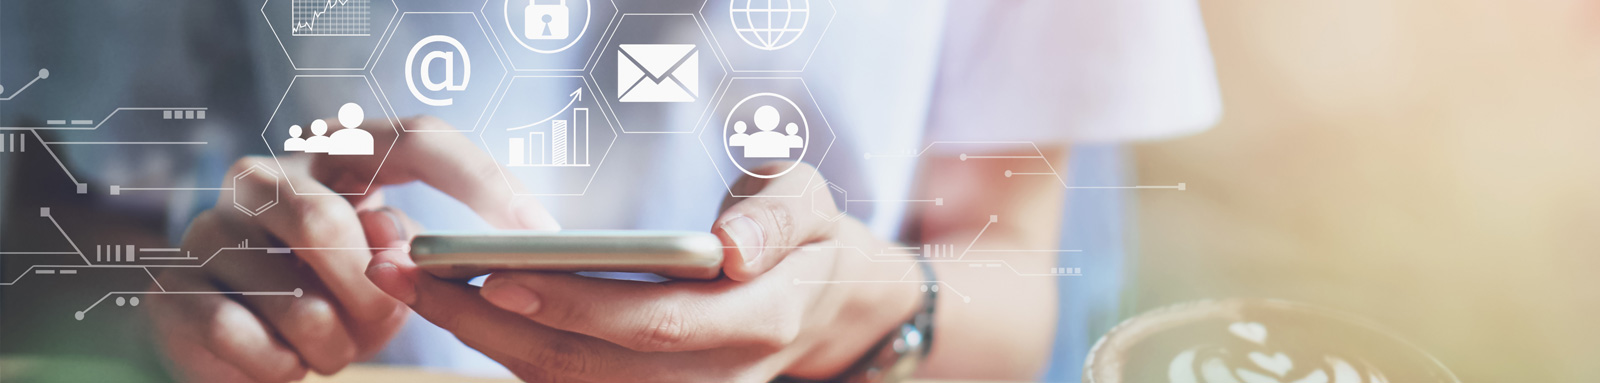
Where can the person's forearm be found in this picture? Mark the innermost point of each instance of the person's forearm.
(992, 322)
(1004, 331)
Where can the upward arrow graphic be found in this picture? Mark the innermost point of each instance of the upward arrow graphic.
(577, 95)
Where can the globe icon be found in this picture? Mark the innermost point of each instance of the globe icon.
(770, 24)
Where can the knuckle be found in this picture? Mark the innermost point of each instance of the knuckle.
(310, 318)
(221, 330)
(781, 333)
(784, 329)
(561, 357)
(786, 333)
(313, 327)
(227, 333)
(667, 329)
(320, 218)
(781, 220)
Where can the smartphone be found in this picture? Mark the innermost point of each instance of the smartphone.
(672, 254)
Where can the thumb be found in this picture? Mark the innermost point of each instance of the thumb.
(391, 268)
(760, 229)
(386, 225)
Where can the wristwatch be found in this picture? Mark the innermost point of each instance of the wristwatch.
(895, 357)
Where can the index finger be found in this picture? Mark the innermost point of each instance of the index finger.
(319, 228)
(447, 161)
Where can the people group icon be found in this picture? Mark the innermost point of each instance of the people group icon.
(766, 142)
(349, 141)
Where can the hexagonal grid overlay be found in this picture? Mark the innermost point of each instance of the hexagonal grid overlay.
(254, 202)
(429, 66)
(311, 98)
(298, 24)
(765, 106)
(643, 72)
(567, 43)
(768, 35)
(549, 135)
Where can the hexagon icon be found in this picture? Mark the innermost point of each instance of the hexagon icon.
(830, 209)
(331, 117)
(549, 135)
(768, 35)
(255, 202)
(765, 119)
(564, 43)
(329, 35)
(657, 72)
(440, 64)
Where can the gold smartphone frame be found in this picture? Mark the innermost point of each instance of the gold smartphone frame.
(672, 254)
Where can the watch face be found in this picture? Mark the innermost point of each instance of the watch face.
(1242, 341)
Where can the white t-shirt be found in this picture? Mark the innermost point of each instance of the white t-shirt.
(1084, 71)
(891, 77)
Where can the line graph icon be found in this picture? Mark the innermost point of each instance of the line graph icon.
(331, 17)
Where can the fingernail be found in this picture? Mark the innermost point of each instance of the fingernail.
(394, 221)
(381, 225)
(388, 278)
(746, 234)
(512, 297)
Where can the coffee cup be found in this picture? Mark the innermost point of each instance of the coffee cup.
(1256, 341)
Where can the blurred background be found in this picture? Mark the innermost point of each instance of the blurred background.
(1431, 165)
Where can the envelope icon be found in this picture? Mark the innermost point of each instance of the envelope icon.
(658, 72)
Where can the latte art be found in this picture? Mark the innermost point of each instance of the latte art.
(1219, 364)
(1255, 341)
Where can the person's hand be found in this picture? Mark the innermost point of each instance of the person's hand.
(761, 322)
(339, 316)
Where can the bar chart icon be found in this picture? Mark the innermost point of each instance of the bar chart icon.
(567, 144)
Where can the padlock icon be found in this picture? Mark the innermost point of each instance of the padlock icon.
(546, 22)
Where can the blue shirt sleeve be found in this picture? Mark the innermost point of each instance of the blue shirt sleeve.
(1097, 223)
